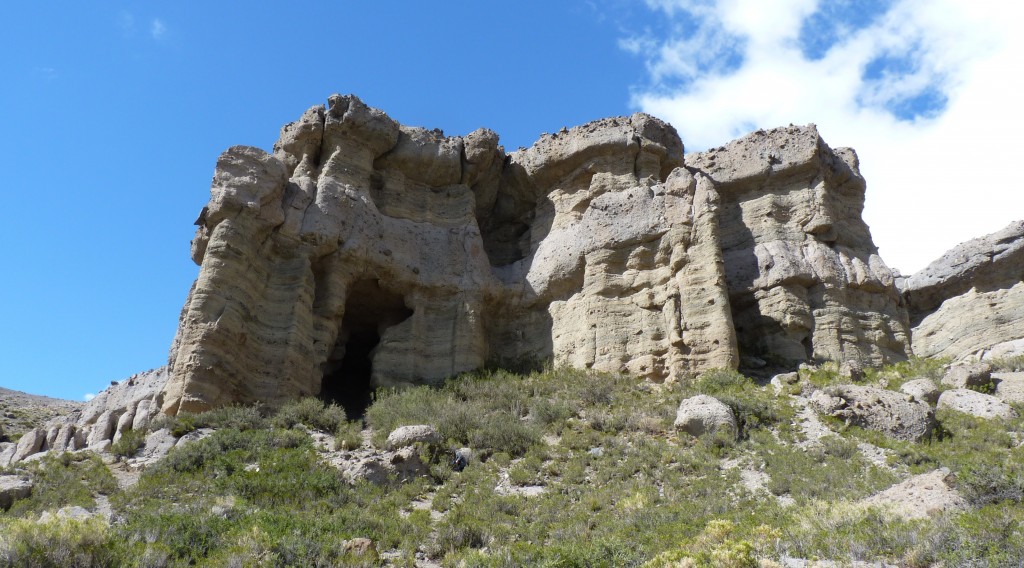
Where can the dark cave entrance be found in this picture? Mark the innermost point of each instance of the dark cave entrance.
(369, 311)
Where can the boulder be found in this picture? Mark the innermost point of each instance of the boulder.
(12, 488)
(30, 443)
(968, 376)
(970, 301)
(1010, 387)
(923, 390)
(894, 414)
(976, 404)
(409, 435)
(7, 451)
(921, 496)
(380, 467)
(703, 414)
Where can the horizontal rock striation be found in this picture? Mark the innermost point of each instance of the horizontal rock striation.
(362, 253)
(970, 301)
(804, 277)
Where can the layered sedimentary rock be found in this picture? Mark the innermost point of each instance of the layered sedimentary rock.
(805, 279)
(363, 253)
(971, 300)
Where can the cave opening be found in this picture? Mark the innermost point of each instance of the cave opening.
(348, 373)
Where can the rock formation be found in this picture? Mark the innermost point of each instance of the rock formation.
(971, 300)
(363, 253)
(805, 280)
(128, 405)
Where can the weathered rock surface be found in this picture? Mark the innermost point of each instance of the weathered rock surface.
(1009, 388)
(877, 409)
(924, 390)
(12, 488)
(703, 414)
(128, 404)
(805, 279)
(971, 300)
(968, 376)
(976, 404)
(410, 435)
(363, 253)
(921, 496)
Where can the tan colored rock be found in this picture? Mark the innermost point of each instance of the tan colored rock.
(923, 390)
(30, 443)
(703, 414)
(13, 488)
(968, 376)
(877, 409)
(921, 496)
(805, 279)
(363, 253)
(409, 435)
(971, 300)
(1009, 387)
(976, 404)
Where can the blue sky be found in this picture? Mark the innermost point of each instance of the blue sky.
(115, 113)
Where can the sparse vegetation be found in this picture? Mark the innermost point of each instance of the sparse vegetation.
(571, 468)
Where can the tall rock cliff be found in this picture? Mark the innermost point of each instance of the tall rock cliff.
(362, 253)
(805, 279)
(970, 301)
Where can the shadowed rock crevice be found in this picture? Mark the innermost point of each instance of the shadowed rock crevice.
(348, 373)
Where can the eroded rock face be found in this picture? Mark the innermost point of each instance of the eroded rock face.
(363, 253)
(125, 405)
(971, 300)
(805, 280)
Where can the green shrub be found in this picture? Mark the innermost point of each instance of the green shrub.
(130, 442)
(59, 542)
(312, 413)
(234, 416)
(68, 479)
(348, 436)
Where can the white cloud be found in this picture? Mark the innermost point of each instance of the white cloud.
(937, 174)
(89, 396)
(157, 29)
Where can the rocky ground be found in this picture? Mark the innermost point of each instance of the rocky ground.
(913, 465)
(21, 411)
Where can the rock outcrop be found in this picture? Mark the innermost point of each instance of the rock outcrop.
(971, 300)
(126, 405)
(805, 279)
(362, 253)
(877, 409)
(703, 414)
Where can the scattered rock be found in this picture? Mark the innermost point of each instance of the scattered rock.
(703, 414)
(380, 467)
(30, 443)
(877, 409)
(410, 435)
(781, 381)
(968, 376)
(76, 513)
(921, 496)
(976, 404)
(923, 390)
(12, 488)
(362, 547)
